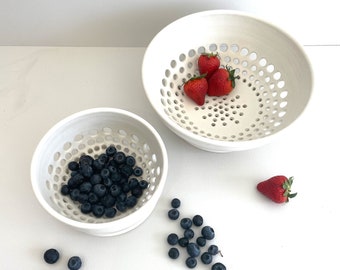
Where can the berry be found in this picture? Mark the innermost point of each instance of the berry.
(196, 88)
(186, 223)
(98, 210)
(208, 63)
(51, 256)
(206, 258)
(191, 262)
(173, 214)
(65, 190)
(130, 161)
(105, 173)
(189, 233)
(110, 212)
(173, 253)
(277, 188)
(208, 232)
(218, 266)
(175, 203)
(131, 201)
(99, 190)
(73, 166)
(119, 157)
(221, 82)
(201, 241)
(85, 187)
(183, 242)
(95, 179)
(86, 208)
(193, 249)
(138, 171)
(110, 151)
(197, 220)
(213, 250)
(74, 263)
(172, 239)
(143, 184)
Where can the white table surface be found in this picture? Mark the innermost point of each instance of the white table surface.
(41, 85)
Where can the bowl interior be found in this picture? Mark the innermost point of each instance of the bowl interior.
(91, 132)
(274, 86)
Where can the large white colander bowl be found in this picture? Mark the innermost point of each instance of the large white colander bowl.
(91, 132)
(274, 88)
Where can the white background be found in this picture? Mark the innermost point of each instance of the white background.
(134, 22)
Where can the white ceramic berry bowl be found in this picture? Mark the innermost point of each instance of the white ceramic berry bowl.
(274, 88)
(91, 132)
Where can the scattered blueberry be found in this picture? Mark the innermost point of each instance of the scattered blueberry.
(172, 239)
(197, 220)
(208, 232)
(73, 166)
(186, 223)
(119, 157)
(86, 208)
(175, 203)
(213, 250)
(183, 241)
(218, 266)
(110, 212)
(65, 190)
(189, 233)
(51, 256)
(98, 210)
(193, 249)
(173, 214)
(111, 150)
(191, 262)
(74, 263)
(130, 161)
(201, 241)
(173, 253)
(206, 258)
(137, 171)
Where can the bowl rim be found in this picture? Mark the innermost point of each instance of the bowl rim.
(113, 224)
(224, 144)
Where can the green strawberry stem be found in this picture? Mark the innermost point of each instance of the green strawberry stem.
(287, 187)
(232, 76)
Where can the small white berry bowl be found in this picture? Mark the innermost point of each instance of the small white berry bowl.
(274, 88)
(91, 132)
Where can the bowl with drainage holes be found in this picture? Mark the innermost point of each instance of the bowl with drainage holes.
(96, 136)
(273, 90)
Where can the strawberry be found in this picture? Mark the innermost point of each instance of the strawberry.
(196, 88)
(277, 188)
(222, 82)
(208, 63)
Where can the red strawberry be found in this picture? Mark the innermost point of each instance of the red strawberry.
(222, 82)
(277, 188)
(196, 89)
(208, 63)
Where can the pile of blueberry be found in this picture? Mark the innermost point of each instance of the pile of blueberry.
(188, 242)
(106, 184)
(51, 256)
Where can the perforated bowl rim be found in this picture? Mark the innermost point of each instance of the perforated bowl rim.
(115, 227)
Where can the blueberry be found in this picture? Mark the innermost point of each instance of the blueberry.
(108, 200)
(131, 201)
(75, 180)
(143, 184)
(83, 197)
(110, 212)
(130, 161)
(173, 253)
(138, 171)
(218, 266)
(105, 173)
(86, 170)
(193, 249)
(98, 210)
(201, 241)
(97, 166)
(121, 206)
(137, 192)
(115, 190)
(208, 232)
(65, 190)
(183, 242)
(73, 166)
(189, 234)
(95, 179)
(51, 256)
(172, 239)
(122, 197)
(86, 208)
(186, 223)
(197, 220)
(93, 198)
(175, 203)
(103, 159)
(107, 182)
(116, 177)
(99, 190)
(191, 262)
(133, 183)
(85, 159)
(110, 151)
(74, 194)
(119, 158)
(74, 263)
(173, 214)
(126, 170)
(206, 258)
(85, 187)
(213, 249)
